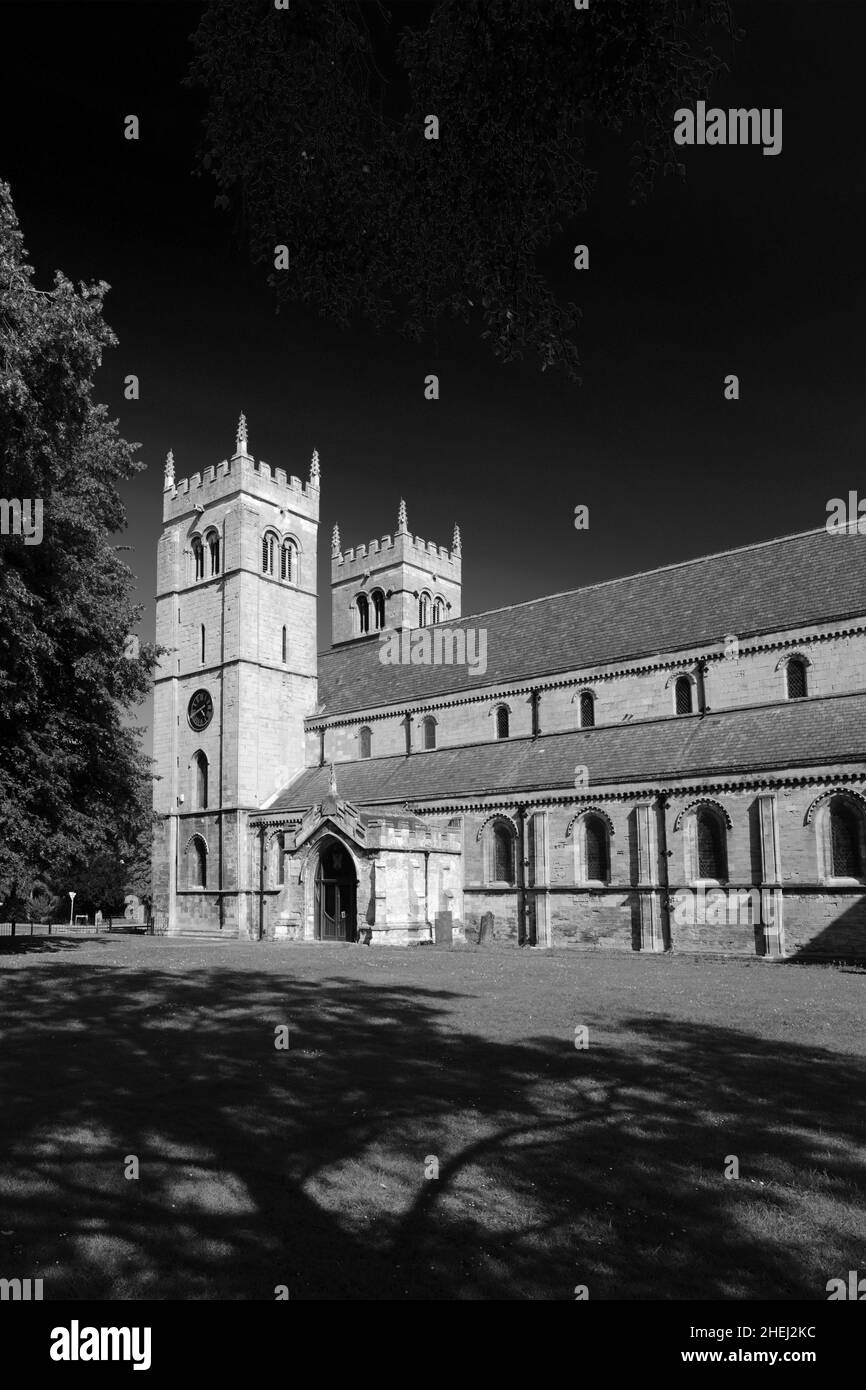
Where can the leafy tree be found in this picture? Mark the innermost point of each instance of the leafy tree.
(74, 780)
(314, 132)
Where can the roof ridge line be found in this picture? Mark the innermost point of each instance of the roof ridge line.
(640, 574)
(601, 584)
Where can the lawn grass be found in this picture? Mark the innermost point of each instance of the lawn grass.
(558, 1166)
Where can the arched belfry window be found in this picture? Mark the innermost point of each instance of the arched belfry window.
(796, 685)
(429, 732)
(199, 781)
(365, 742)
(423, 610)
(683, 695)
(269, 553)
(198, 557)
(587, 709)
(288, 562)
(438, 610)
(502, 721)
(362, 608)
(213, 545)
(377, 599)
(196, 855)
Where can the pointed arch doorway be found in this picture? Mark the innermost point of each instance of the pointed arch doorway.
(336, 894)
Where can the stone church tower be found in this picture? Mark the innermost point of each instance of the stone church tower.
(401, 581)
(236, 610)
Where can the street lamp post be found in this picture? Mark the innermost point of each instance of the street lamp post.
(71, 905)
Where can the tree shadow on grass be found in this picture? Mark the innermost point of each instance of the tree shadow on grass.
(305, 1167)
(47, 945)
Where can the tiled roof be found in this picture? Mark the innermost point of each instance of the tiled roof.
(792, 582)
(802, 734)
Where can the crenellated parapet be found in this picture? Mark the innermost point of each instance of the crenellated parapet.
(241, 473)
(412, 574)
(400, 549)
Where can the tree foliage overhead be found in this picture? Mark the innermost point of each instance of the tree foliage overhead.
(74, 782)
(314, 132)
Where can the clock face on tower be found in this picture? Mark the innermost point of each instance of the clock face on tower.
(200, 710)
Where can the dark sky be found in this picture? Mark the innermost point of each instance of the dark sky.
(751, 265)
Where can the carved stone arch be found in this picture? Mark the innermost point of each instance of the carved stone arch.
(498, 815)
(313, 846)
(590, 867)
(498, 704)
(826, 796)
(792, 656)
(583, 690)
(490, 852)
(678, 674)
(590, 811)
(704, 801)
(327, 834)
(197, 861)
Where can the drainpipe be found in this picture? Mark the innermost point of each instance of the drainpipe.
(220, 814)
(261, 882)
(702, 672)
(427, 921)
(664, 860)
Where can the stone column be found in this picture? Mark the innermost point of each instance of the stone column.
(540, 875)
(771, 876)
(652, 909)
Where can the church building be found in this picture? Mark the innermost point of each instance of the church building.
(674, 760)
